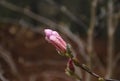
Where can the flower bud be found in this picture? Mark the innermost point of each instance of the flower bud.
(56, 40)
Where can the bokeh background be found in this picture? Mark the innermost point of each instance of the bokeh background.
(26, 56)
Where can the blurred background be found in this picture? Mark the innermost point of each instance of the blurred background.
(26, 56)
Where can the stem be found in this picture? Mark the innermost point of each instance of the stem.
(85, 68)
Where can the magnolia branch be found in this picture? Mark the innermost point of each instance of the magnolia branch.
(65, 30)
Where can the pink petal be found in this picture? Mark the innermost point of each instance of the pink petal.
(59, 37)
(57, 43)
(55, 33)
(61, 40)
(48, 32)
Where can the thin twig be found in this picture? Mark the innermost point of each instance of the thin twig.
(116, 18)
(28, 13)
(2, 78)
(110, 40)
(68, 13)
(7, 57)
(90, 35)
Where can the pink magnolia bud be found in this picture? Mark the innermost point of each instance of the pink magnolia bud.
(70, 65)
(55, 39)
